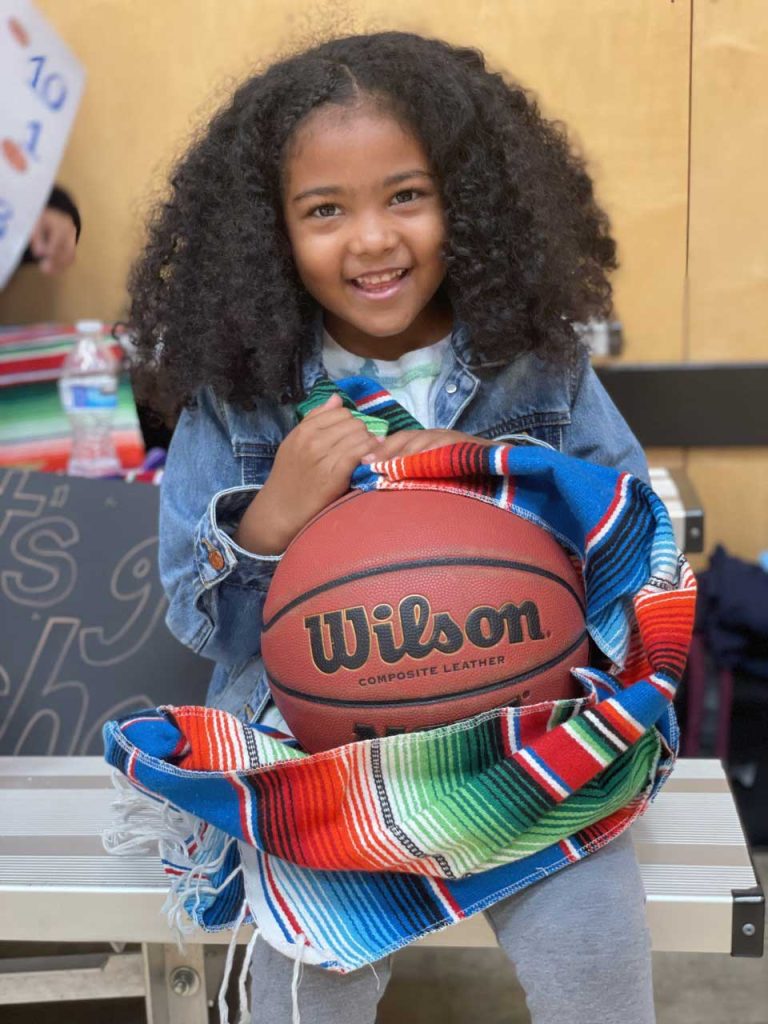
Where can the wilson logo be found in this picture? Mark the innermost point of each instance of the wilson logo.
(344, 638)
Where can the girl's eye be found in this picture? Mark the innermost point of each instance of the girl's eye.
(328, 210)
(409, 193)
(321, 212)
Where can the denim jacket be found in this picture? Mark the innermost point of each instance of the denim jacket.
(220, 455)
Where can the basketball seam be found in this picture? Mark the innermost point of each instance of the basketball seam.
(486, 563)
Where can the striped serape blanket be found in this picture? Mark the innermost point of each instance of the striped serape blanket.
(344, 856)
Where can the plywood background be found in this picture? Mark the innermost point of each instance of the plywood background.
(728, 247)
(663, 96)
(614, 70)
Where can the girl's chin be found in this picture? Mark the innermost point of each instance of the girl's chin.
(377, 340)
(378, 330)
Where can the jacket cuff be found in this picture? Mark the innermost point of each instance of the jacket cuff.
(522, 439)
(217, 556)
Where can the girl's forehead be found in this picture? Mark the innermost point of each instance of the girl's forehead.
(352, 142)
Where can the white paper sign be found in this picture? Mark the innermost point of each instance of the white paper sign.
(41, 83)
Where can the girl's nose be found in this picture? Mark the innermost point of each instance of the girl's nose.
(372, 235)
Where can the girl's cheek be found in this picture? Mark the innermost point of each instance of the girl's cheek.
(323, 255)
(312, 249)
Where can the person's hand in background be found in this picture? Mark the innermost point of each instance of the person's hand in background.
(54, 238)
(53, 241)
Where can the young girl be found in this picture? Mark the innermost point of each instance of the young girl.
(383, 206)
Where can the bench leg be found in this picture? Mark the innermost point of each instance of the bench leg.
(175, 989)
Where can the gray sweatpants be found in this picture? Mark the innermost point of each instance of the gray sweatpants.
(578, 940)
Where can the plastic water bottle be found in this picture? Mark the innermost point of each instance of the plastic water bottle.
(88, 390)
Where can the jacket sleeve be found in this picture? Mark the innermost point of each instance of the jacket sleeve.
(597, 431)
(215, 588)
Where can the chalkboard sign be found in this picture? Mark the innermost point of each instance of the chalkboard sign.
(82, 631)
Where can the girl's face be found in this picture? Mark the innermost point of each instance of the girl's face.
(366, 225)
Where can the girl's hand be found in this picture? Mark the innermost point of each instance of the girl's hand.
(408, 442)
(53, 241)
(312, 468)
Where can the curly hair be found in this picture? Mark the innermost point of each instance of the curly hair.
(215, 297)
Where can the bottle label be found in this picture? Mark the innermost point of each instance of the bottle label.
(82, 397)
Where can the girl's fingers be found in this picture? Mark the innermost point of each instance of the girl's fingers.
(411, 442)
(334, 402)
(324, 418)
(340, 433)
(404, 442)
(356, 448)
(341, 461)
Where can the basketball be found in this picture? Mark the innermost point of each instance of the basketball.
(399, 610)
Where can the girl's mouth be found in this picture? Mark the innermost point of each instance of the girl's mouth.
(381, 286)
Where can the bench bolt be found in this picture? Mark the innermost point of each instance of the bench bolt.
(185, 981)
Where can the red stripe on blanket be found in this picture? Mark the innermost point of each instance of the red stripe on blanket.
(278, 898)
(448, 899)
(617, 497)
(570, 760)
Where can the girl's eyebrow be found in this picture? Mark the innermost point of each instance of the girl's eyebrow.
(393, 179)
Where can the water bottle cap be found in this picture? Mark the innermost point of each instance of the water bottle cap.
(89, 326)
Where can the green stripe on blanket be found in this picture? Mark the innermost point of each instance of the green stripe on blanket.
(397, 418)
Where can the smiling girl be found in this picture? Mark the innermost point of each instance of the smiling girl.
(383, 206)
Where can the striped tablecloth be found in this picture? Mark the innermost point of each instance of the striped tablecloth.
(34, 432)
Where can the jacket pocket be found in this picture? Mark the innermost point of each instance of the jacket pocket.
(255, 458)
(542, 426)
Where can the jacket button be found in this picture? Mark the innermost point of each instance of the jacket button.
(451, 388)
(216, 559)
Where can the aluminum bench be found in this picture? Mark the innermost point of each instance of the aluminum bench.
(57, 884)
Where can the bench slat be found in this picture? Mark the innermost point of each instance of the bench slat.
(56, 880)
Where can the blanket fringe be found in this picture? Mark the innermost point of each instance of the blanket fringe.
(298, 970)
(245, 1009)
(140, 820)
(378, 979)
(222, 1000)
(193, 852)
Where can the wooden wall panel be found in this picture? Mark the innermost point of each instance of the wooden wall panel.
(733, 486)
(728, 256)
(616, 72)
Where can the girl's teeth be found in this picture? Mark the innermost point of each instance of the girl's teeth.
(379, 278)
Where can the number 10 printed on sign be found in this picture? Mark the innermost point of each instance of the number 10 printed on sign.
(41, 83)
